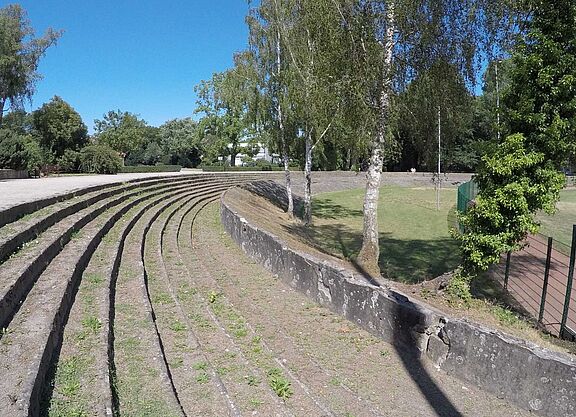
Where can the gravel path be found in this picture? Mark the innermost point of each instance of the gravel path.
(14, 192)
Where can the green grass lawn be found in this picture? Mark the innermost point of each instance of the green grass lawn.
(559, 225)
(415, 244)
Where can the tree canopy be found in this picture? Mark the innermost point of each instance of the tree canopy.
(122, 131)
(522, 174)
(20, 52)
(59, 127)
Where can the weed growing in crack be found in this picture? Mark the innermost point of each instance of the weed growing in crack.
(255, 402)
(279, 384)
(213, 296)
(202, 378)
(200, 321)
(162, 298)
(177, 326)
(92, 324)
(223, 370)
(384, 353)
(334, 381)
(240, 331)
(177, 363)
(252, 380)
(200, 366)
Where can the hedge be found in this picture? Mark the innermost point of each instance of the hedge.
(219, 168)
(150, 168)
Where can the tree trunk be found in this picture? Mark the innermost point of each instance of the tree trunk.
(308, 180)
(370, 252)
(285, 153)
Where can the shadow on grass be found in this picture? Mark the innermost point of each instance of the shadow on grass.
(408, 261)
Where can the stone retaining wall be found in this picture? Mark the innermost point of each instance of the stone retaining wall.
(516, 370)
(11, 174)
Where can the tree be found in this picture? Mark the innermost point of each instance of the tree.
(20, 52)
(180, 143)
(300, 56)
(439, 88)
(225, 102)
(273, 74)
(18, 121)
(20, 152)
(59, 127)
(393, 41)
(122, 131)
(522, 174)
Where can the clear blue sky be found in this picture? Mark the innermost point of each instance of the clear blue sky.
(139, 56)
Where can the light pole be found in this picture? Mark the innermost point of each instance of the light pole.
(438, 180)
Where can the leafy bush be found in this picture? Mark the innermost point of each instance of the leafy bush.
(70, 161)
(19, 152)
(216, 168)
(100, 159)
(150, 168)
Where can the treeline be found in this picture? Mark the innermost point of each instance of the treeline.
(54, 137)
(378, 85)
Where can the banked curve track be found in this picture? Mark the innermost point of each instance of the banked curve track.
(80, 328)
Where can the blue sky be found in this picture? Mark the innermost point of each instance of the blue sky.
(144, 56)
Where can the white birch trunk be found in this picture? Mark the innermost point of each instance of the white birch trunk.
(370, 252)
(284, 143)
(308, 179)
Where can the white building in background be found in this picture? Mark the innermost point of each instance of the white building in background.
(263, 153)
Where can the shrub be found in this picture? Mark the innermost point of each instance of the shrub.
(12, 151)
(100, 159)
(70, 161)
(150, 168)
(20, 152)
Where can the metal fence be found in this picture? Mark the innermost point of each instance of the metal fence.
(539, 277)
(467, 192)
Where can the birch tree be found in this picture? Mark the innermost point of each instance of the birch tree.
(313, 42)
(391, 42)
(273, 74)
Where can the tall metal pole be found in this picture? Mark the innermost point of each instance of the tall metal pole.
(569, 283)
(497, 103)
(438, 182)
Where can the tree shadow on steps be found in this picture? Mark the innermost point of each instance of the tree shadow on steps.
(412, 360)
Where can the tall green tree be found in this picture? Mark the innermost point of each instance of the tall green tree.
(274, 72)
(59, 127)
(393, 41)
(522, 175)
(20, 52)
(438, 89)
(314, 44)
(122, 131)
(225, 103)
(180, 142)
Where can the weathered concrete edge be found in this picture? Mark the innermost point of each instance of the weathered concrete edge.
(519, 371)
(13, 174)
